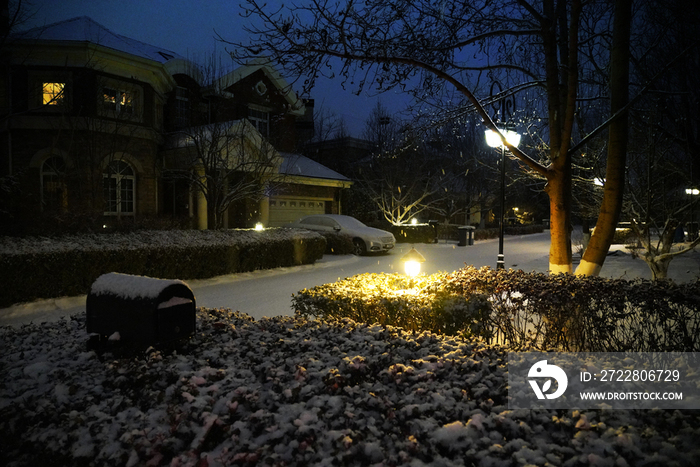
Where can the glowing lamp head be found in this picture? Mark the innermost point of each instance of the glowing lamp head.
(414, 221)
(259, 227)
(412, 261)
(494, 140)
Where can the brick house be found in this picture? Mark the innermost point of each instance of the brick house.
(88, 121)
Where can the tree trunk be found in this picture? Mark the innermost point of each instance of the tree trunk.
(602, 237)
(559, 192)
(659, 267)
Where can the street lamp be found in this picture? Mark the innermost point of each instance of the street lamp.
(692, 230)
(494, 140)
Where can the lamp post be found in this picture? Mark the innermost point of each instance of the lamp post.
(504, 108)
(692, 231)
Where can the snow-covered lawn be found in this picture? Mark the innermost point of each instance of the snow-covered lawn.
(286, 391)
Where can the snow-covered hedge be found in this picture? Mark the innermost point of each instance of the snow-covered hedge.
(38, 267)
(292, 392)
(593, 314)
(413, 233)
(523, 310)
(419, 304)
(338, 244)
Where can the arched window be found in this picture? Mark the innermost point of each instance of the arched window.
(54, 193)
(119, 183)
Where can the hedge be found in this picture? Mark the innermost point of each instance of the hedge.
(36, 267)
(565, 312)
(525, 311)
(419, 304)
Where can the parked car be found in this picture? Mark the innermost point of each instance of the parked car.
(366, 239)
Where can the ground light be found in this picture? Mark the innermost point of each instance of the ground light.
(412, 261)
(259, 227)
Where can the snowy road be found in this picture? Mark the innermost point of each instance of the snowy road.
(268, 293)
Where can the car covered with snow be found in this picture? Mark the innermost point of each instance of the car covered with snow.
(366, 239)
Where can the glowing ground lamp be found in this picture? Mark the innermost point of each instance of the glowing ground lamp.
(412, 261)
(259, 226)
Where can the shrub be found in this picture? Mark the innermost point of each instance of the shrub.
(531, 311)
(38, 267)
(338, 244)
(592, 314)
(418, 304)
(422, 233)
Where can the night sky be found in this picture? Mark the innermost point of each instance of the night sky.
(188, 27)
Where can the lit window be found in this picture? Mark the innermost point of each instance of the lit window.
(54, 194)
(53, 93)
(120, 102)
(119, 182)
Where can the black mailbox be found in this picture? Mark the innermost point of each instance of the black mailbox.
(141, 309)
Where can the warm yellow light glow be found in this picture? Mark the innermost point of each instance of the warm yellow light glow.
(412, 268)
(412, 261)
(692, 191)
(414, 221)
(259, 226)
(494, 140)
(53, 93)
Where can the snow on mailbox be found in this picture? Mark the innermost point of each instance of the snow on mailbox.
(141, 309)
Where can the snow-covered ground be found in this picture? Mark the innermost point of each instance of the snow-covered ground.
(286, 391)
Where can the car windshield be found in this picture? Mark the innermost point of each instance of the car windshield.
(350, 222)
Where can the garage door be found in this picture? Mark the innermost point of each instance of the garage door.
(284, 210)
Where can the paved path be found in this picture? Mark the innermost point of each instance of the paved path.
(268, 293)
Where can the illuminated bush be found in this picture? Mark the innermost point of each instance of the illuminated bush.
(418, 304)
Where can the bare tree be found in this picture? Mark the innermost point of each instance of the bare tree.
(663, 170)
(400, 176)
(423, 46)
(226, 162)
(657, 202)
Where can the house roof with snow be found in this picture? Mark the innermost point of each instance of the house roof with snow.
(307, 171)
(86, 30)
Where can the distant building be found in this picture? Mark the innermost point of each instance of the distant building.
(341, 154)
(91, 126)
